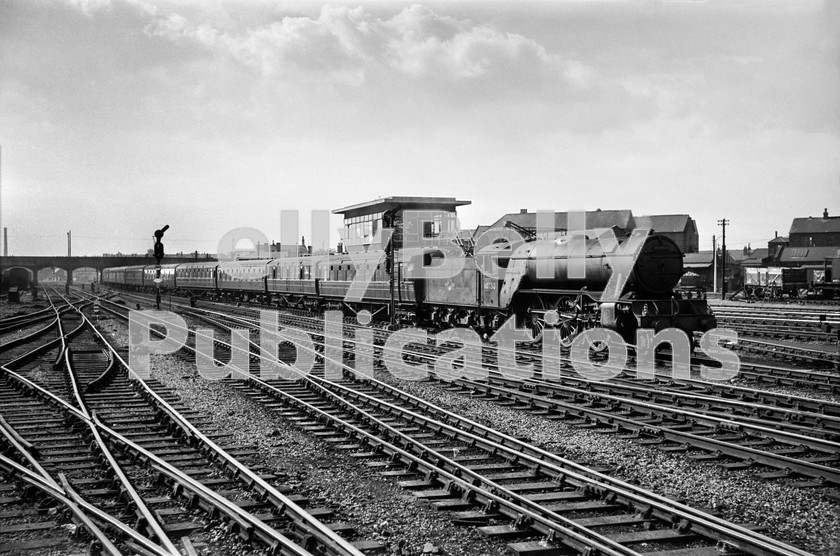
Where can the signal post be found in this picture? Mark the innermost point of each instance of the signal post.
(158, 251)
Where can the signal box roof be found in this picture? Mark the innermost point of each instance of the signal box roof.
(447, 204)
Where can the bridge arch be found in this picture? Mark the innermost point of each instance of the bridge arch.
(52, 275)
(85, 275)
(35, 264)
(18, 277)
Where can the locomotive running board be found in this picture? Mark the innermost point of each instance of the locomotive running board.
(594, 295)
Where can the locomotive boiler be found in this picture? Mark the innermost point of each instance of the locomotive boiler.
(559, 283)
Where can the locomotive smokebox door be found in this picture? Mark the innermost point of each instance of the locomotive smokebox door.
(659, 266)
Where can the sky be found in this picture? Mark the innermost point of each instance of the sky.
(120, 116)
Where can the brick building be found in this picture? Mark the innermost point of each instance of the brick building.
(815, 232)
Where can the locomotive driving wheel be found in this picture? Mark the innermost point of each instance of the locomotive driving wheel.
(567, 330)
(562, 311)
(535, 316)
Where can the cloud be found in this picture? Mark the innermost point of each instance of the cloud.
(415, 43)
(421, 43)
(356, 66)
(91, 7)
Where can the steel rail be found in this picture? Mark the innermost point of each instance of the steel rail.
(818, 444)
(138, 540)
(553, 464)
(538, 518)
(806, 468)
(743, 538)
(787, 417)
(737, 536)
(247, 522)
(810, 314)
(631, 388)
(82, 413)
(26, 384)
(42, 480)
(36, 352)
(772, 375)
(29, 337)
(828, 475)
(25, 449)
(792, 351)
(812, 375)
(493, 495)
(99, 382)
(307, 377)
(730, 391)
(155, 529)
(60, 340)
(802, 410)
(776, 322)
(152, 523)
(312, 526)
(55, 492)
(25, 321)
(744, 420)
(822, 410)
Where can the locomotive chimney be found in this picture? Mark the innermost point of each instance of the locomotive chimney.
(825, 213)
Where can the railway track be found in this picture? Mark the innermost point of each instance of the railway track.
(756, 373)
(141, 465)
(773, 329)
(819, 358)
(727, 407)
(781, 436)
(786, 310)
(12, 324)
(391, 438)
(785, 376)
(804, 325)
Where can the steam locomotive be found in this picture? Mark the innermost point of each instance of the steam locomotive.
(535, 282)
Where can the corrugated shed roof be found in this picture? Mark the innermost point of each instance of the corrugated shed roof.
(664, 223)
(816, 225)
(704, 258)
(809, 254)
(696, 260)
(758, 254)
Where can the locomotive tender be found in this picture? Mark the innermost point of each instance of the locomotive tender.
(532, 281)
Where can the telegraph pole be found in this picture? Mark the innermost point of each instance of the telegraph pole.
(714, 264)
(723, 222)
